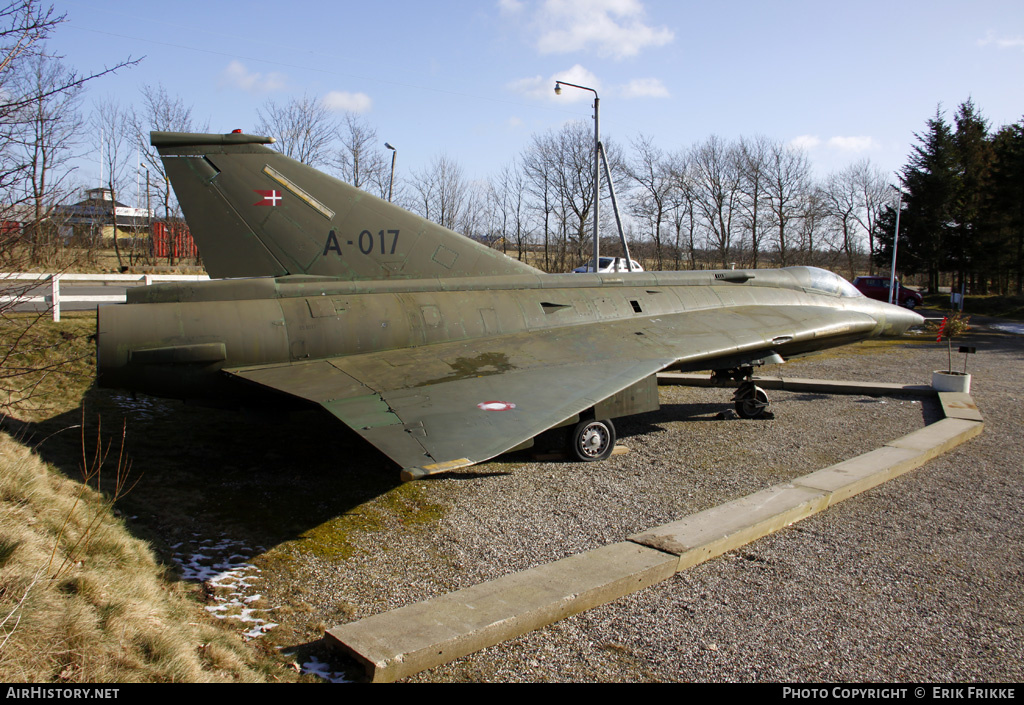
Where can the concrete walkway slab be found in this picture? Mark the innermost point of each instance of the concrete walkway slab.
(957, 405)
(715, 531)
(408, 640)
(851, 477)
(937, 438)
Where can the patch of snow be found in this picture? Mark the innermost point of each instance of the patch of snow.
(1014, 328)
(148, 408)
(322, 670)
(223, 565)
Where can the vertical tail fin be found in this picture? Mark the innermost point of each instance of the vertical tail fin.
(255, 212)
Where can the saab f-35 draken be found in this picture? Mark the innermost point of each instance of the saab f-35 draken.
(438, 350)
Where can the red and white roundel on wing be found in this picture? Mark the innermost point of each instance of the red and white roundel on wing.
(495, 405)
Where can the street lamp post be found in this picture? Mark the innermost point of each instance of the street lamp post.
(895, 243)
(391, 181)
(597, 166)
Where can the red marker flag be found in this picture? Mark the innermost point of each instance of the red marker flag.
(942, 329)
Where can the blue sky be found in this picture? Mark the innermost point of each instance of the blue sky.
(473, 79)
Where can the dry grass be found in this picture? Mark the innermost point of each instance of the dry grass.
(46, 366)
(94, 260)
(81, 600)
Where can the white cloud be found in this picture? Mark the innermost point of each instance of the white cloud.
(643, 88)
(533, 87)
(515, 122)
(237, 75)
(540, 87)
(610, 27)
(805, 142)
(510, 7)
(852, 144)
(1001, 42)
(838, 143)
(343, 101)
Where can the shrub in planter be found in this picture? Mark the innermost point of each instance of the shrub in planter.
(948, 380)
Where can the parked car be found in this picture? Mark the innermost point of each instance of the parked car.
(878, 288)
(610, 264)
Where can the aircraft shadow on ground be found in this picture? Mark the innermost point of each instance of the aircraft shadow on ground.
(209, 472)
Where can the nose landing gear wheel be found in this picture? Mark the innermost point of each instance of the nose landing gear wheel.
(593, 440)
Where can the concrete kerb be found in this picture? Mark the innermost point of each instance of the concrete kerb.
(410, 639)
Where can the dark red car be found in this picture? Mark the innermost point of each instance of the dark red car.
(878, 288)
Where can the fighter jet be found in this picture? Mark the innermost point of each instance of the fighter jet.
(436, 349)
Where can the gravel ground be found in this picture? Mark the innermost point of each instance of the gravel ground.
(917, 580)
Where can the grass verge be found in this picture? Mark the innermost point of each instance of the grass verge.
(82, 597)
(81, 600)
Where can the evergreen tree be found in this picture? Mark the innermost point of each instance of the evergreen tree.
(1004, 209)
(885, 226)
(963, 204)
(929, 187)
(966, 236)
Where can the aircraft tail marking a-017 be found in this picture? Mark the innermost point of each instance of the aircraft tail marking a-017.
(254, 212)
(435, 349)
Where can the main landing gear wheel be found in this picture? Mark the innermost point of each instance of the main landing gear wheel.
(751, 401)
(592, 439)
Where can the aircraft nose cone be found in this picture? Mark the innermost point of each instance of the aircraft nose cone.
(899, 320)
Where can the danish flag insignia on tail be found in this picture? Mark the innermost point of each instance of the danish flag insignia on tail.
(270, 198)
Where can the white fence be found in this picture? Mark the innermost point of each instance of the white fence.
(55, 297)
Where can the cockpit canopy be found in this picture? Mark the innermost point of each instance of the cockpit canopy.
(824, 281)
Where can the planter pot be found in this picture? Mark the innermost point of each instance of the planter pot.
(943, 381)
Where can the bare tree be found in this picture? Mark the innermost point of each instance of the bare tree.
(539, 171)
(511, 195)
(440, 191)
(839, 198)
(874, 195)
(854, 197)
(651, 173)
(303, 128)
(788, 187)
(716, 183)
(113, 124)
(29, 88)
(682, 204)
(753, 158)
(35, 135)
(572, 150)
(478, 216)
(161, 112)
(360, 160)
(814, 234)
(24, 27)
(558, 176)
(45, 142)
